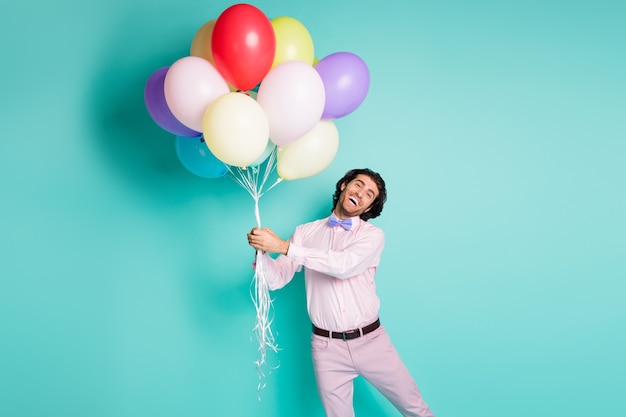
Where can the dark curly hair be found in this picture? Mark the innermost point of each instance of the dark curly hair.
(377, 205)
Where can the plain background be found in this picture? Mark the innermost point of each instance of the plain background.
(498, 126)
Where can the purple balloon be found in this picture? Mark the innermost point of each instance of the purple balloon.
(346, 81)
(154, 96)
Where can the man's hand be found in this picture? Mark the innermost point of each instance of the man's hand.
(266, 240)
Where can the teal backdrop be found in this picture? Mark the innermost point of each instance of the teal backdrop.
(499, 127)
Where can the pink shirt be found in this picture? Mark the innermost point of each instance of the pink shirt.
(339, 268)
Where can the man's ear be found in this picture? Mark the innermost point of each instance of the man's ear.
(343, 186)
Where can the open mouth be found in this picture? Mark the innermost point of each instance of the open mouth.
(354, 201)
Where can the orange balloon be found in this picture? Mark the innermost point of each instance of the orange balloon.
(201, 44)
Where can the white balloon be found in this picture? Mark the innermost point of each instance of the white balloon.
(191, 84)
(293, 97)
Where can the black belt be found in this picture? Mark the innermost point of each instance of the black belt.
(350, 334)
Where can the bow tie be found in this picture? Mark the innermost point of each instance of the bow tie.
(334, 221)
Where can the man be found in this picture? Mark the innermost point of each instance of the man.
(340, 255)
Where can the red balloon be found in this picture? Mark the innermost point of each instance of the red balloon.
(243, 45)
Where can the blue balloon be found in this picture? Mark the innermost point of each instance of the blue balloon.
(195, 155)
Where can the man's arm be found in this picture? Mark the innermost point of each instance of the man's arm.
(280, 271)
(355, 259)
(267, 241)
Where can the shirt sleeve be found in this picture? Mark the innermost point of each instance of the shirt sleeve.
(279, 271)
(363, 253)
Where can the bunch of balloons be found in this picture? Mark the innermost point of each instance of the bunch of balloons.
(252, 94)
(251, 87)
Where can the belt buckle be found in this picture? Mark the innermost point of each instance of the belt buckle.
(349, 335)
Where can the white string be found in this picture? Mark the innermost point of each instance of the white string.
(251, 181)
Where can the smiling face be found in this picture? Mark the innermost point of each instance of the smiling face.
(356, 197)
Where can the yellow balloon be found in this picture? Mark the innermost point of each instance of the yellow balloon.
(235, 129)
(310, 154)
(293, 41)
(201, 43)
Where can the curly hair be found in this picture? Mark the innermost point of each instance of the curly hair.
(377, 205)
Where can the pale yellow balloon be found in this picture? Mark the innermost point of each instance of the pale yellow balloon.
(293, 41)
(201, 43)
(236, 129)
(310, 154)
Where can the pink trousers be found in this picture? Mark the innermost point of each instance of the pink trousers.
(337, 363)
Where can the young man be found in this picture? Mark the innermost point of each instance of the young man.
(340, 255)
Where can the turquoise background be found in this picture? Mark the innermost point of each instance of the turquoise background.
(499, 127)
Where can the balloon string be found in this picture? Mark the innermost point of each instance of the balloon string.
(250, 179)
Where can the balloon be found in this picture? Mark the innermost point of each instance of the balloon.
(201, 43)
(243, 45)
(236, 129)
(191, 84)
(346, 80)
(266, 153)
(194, 154)
(310, 154)
(293, 41)
(154, 97)
(292, 96)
